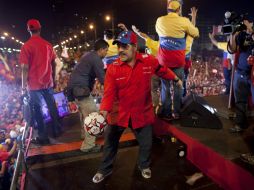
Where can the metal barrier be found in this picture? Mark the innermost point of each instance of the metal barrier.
(21, 168)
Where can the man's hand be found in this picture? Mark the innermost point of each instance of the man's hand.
(211, 36)
(179, 83)
(23, 91)
(104, 113)
(122, 26)
(193, 12)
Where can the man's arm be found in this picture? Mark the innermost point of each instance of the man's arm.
(58, 65)
(109, 95)
(13, 149)
(24, 76)
(99, 71)
(193, 15)
(232, 45)
(191, 29)
(165, 73)
(213, 40)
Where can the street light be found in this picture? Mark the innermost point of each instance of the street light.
(92, 27)
(110, 18)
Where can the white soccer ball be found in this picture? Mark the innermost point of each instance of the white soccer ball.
(13, 134)
(95, 123)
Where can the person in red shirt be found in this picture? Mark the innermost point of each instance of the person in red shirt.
(128, 82)
(37, 59)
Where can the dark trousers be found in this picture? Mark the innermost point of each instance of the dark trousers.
(36, 97)
(112, 136)
(186, 74)
(227, 76)
(242, 90)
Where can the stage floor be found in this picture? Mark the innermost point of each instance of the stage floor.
(75, 173)
(62, 158)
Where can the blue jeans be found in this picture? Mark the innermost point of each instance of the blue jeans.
(36, 97)
(112, 136)
(242, 90)
(166, 94)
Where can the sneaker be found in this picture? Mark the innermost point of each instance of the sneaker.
(248, 158)
(166, 117)
(236, 129)
(176, 116)
(94, 149)
(40, 141)
(98, 177)
(146, 173)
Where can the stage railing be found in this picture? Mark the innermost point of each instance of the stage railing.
(21, 168)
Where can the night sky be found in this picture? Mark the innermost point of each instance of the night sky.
(57, 16)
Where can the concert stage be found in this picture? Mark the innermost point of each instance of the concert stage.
(214, 152)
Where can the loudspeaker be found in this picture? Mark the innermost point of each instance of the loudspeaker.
(197, 113)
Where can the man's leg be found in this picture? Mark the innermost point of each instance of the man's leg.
(50, 101)
(112, 136)
(241, 92)
(87, 106)
(227, 76)
(144, 138)
(178, 91)
(35, 103)
(186, 74)
(166, 98)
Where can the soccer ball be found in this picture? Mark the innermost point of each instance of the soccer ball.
(94, 124)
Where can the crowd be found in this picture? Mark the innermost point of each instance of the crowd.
(206, 78)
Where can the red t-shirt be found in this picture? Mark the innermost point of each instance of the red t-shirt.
(131, 89)
(38, 54)
(4, 155)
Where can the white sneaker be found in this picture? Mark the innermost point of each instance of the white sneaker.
(98, 177)
(146, 173)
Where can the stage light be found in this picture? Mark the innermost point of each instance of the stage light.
(82, 32)
(2, 37)
(12, 38)
(75, 36)
(6, 34)
(70, 39)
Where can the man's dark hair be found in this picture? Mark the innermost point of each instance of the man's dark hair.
(100, 44)
(109, 33)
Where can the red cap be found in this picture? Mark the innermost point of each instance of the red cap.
(33, 24)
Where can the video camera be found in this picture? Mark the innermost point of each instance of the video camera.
(233, 22)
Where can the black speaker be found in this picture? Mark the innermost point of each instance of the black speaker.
(196, 112)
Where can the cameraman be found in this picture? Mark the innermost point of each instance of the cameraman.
(242, 42)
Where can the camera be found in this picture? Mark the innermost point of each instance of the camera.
(233, 22)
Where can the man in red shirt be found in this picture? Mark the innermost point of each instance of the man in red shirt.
(37, 59)
(128, 82)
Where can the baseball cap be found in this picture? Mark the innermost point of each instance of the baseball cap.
(126, 37)
(174, 5)
(33, 24)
